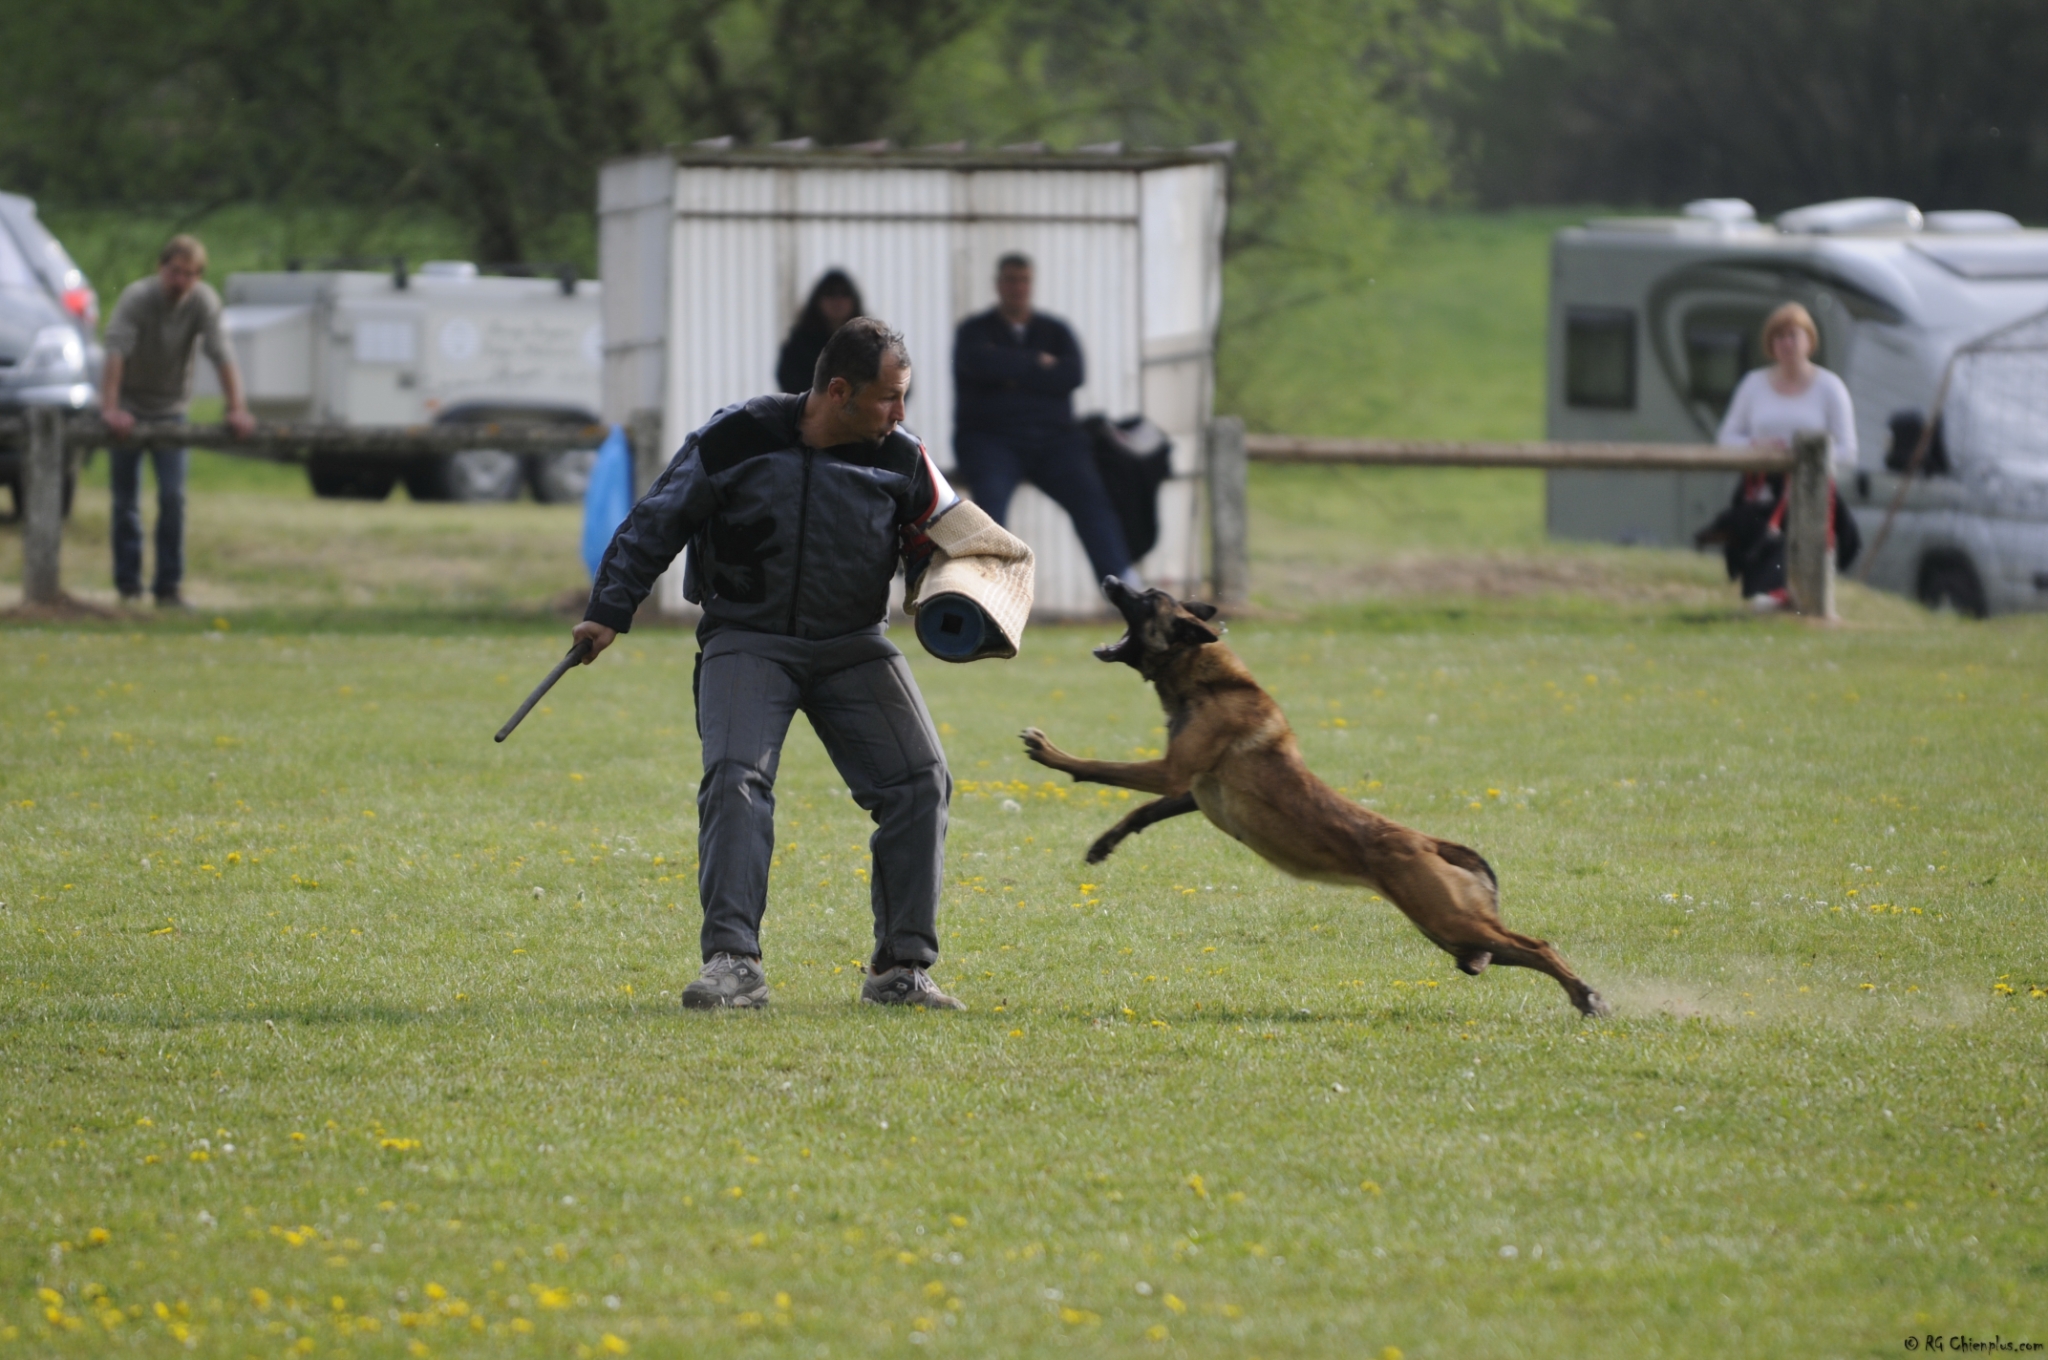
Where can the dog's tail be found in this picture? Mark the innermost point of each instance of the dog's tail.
(1470, 860)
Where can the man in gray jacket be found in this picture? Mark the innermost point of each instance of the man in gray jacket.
(796, 511)
(155, 327)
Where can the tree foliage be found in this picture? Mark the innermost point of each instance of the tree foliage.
(1779, 101)
(499, 111)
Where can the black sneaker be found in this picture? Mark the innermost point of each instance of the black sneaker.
(728, 980)
(907, 985)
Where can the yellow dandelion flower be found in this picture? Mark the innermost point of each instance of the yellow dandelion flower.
(613, 1345)
(436, 1292)
(1156, 1332)
(960, 1222)
(550, 1298)
(1196, 1184)
(1173, 1302)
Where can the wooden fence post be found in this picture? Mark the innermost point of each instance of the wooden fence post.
(1229, 517)
(1809, 565)
(42, 536)
(643, 432)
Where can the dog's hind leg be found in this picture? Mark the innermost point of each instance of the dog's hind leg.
(1522, 951)
(1140, 818)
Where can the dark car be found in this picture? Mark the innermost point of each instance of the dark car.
(48, 317)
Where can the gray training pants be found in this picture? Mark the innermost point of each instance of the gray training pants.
(865, 707)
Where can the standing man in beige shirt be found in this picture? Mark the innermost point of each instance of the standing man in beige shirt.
(148, 376)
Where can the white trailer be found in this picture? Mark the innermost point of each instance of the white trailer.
(442, 344)
(708, 254)
(1653, 320)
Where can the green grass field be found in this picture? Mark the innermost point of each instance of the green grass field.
(334, 1029)
(341, 1028)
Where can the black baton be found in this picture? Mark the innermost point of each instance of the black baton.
(575, 657)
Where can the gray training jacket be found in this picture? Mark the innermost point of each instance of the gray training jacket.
(783, 539)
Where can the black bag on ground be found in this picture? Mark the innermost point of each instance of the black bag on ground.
(1133, 457)
(1755, 552)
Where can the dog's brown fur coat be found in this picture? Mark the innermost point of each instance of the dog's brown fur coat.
(1231, 754)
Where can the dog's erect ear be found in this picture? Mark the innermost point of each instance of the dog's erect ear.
(1192, 633)
(1201, 609)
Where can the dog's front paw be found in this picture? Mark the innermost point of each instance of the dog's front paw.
(1036, 745)
(1595, 1004)
(1104, 846)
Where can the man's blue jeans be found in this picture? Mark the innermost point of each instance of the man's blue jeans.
(1058, 461)
(170, 520)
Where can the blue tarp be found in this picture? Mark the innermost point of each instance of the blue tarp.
(609, 497)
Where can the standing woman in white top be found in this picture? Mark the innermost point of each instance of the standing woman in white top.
(1771, 405)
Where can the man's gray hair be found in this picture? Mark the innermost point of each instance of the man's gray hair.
(856, 351)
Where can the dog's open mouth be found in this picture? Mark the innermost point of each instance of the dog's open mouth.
(1114, 651)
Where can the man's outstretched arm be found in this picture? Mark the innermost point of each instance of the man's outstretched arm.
(654, 531)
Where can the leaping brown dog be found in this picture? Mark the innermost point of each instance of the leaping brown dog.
(1231, 755)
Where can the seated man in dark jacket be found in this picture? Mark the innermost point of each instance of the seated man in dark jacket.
(796, 510)
(1014, 373)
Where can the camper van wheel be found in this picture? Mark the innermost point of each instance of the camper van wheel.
(1948, 579)
(346, 479)
(472, 475)
(560, 478)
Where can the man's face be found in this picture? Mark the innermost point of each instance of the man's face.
(178, 275)
(1013, 289)
(877, 407)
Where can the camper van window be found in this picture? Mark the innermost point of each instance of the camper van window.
(1600, 358)
(1716, 357)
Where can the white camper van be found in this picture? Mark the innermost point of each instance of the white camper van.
(445, 343)
(1654, 319)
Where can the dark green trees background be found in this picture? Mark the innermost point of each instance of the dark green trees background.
(493, 114)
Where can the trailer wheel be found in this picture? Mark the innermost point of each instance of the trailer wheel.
(343, 478)
(472, 475)
(561, 478)
(1948, 579)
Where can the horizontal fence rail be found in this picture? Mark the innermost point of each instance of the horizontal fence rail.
(1809, 562)
(52, 441)
(53, 437)
(1289, 448)
(289, 442)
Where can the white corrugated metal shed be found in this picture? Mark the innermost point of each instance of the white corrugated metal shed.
(708, 255)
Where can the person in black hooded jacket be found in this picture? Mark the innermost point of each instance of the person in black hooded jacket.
(834, 302)
(796, 510)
